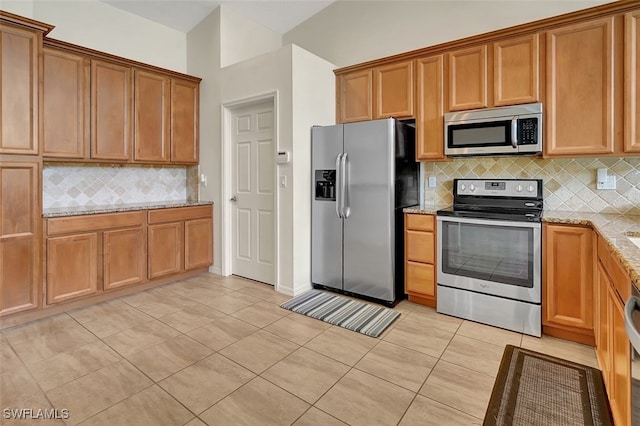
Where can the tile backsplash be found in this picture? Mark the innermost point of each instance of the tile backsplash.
(569, 184)
(74, 186)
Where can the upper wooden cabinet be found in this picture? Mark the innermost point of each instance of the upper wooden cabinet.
(516, 70)
(185, 110)
(632, 82)
(101, 108)
(355, 96)
(393, 90)
(19, 60)
(65, 115)
(580, 88)
(506, 72)
(111, 111)
(152, 108)
(467, 78)
(568, 255)
(430, 108)
(20, 236)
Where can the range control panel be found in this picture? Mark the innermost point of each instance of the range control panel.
(528, 188)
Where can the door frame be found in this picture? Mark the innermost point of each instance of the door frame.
(228, 109)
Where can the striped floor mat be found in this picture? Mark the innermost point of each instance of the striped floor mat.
(337, 310)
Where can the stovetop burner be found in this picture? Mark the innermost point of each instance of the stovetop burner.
(499, 199)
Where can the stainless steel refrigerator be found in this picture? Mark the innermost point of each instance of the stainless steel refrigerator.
(364, 174)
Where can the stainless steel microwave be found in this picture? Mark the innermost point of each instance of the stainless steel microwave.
(494, 131)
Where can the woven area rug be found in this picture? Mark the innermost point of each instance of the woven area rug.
(337, 310)
(538, 389)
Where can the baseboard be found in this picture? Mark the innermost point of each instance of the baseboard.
(215, 270)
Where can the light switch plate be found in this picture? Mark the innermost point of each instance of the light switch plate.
(610, 183)
(283, 181)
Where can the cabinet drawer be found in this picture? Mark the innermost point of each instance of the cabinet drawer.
(420, 246)
(420, 278)
(612, 266)
(420, 222)
(93, 222)
(180, 213)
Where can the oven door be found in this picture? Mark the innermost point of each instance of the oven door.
(500, 258)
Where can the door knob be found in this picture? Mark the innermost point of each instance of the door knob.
(234, 199)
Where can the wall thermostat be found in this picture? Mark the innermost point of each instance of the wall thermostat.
(283, 157)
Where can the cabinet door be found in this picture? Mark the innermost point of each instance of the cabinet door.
(125, 257)
(111, 111)
(394, 90)
(20, 232)
(20, 50)
(185, 110)
(632, 82)
(355, 96)
(420, 278)
(430, 108)
(165, 247)
(620, 392)
(602, 324)
(198, 243)
(568, 256)
(65, 115)
(468, 78)
(72, 267)
(580, 86)
(420, 246)
(152, 108)
(516, 68)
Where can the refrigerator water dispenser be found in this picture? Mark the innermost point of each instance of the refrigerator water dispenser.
(325, 185)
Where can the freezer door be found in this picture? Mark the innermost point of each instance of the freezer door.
(369, 227)
(326, 226)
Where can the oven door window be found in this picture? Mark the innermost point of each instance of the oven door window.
(471, 135)
(502, 254)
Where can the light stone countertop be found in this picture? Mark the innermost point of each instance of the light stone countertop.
(117, 208)
(613, 227)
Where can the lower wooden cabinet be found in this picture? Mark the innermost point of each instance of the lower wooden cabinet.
(568, 253)
(72, 267)
(420, 258)
(165, 249)
(613, 349)
(90, 254)
(180, 239)
(125, 257)
(198, 243)
(20, 236)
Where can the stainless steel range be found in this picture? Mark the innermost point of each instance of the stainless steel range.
(489, 253)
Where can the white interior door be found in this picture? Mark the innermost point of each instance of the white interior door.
(252, 189)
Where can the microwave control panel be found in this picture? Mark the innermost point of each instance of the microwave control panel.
(527, 131)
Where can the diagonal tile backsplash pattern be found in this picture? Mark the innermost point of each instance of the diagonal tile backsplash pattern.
(569, 184)
(75, 186)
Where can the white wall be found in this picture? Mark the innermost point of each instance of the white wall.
(301, 82)
(96, 25)
(313, 104)
(203, 53)
(241, 38)
(350, 32)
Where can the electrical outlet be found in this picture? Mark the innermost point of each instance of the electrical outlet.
(610, 183)
(432, 181)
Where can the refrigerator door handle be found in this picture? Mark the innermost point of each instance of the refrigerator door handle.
(338, 184)
(346, 210)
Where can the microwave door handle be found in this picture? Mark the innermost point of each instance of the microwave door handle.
(632, 304)
(338, 183)
(514, 132)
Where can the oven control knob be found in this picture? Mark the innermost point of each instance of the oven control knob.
(472, 187)
(462, 187)
(530, 188)
(519, 188)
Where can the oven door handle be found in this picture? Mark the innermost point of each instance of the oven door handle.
(632, 304)
(494, 222)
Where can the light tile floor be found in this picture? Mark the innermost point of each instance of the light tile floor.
(217, 351)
